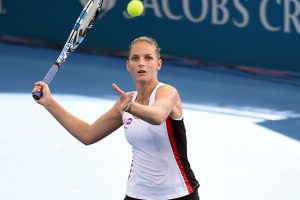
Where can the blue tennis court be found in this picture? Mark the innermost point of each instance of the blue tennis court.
(242, 129)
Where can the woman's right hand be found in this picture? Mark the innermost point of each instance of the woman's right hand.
(46, 97)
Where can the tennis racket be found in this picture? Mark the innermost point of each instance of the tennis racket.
(83, 24)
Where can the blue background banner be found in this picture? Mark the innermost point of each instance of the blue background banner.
(264, 33)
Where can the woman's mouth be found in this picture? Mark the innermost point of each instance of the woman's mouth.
(141, 71)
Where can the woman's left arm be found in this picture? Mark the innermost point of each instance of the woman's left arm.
(165, 100)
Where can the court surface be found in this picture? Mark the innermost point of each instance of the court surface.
(242, 128)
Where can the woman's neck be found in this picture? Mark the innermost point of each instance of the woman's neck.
(144, 91)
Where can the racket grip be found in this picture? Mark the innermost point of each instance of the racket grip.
(47, 79)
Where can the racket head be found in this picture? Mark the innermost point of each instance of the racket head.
(82, 26)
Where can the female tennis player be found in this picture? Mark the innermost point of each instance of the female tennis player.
(153, 122)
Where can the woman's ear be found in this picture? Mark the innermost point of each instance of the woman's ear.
(159, 65)
(127, 67)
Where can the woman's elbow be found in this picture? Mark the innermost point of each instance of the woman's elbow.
(157, 121)
(87, 140)
(87, 143)
(86, 137)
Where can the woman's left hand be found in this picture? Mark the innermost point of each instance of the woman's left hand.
(125, 98)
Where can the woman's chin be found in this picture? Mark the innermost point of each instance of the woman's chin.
(142, 79)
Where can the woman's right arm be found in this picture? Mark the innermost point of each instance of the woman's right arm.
(81, 130)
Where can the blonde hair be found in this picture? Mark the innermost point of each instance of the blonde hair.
(149, 40)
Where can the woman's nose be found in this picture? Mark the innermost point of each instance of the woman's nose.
(141, 62)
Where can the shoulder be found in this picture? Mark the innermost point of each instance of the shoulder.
(167, 89)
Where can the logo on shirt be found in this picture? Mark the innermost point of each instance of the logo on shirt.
(127, 121)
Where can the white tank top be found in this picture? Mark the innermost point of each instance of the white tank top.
(160, 169)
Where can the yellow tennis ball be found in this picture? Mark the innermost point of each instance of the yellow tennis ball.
(135, 8)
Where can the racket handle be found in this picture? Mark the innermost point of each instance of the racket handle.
(47, 79)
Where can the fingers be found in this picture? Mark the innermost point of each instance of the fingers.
(39, 86)
(41, 83)
(117, 89)
(129, 99)
(36, 89)
(125, 101)
(121, 92)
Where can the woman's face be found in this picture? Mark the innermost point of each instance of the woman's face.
(143, 63)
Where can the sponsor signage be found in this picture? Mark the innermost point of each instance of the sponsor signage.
(260, 33)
